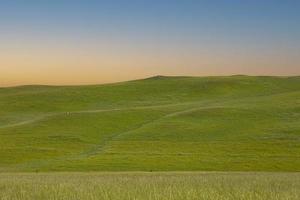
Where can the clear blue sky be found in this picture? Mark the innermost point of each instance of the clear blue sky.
(106, 41)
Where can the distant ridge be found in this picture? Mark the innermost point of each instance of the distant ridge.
(156, 77)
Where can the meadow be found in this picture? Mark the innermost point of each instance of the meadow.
(150, 186)
(234, 123)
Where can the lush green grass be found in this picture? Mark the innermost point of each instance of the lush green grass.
(150, 186)
(236, 123)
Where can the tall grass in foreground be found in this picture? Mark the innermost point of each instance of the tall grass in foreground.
(150, 186)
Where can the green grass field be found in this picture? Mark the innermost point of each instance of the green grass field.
(150, 186)
(236, 123)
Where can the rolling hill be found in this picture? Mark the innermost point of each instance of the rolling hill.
(234, 123)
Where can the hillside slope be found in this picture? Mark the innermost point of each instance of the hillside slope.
(236, 123)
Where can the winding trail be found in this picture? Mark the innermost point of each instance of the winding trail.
(196, 103)
(43, 117)
(101, 147)
(104, 144)
(30, 121)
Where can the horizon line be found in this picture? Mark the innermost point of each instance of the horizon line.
(146, 78)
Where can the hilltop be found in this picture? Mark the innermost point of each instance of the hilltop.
(233, 123)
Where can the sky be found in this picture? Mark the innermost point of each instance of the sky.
(72, 42)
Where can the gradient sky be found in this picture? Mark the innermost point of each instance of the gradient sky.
(89, 41)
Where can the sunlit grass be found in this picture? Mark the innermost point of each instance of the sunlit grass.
(150, 186)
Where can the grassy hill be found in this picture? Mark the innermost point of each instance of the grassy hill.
(236, 123)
